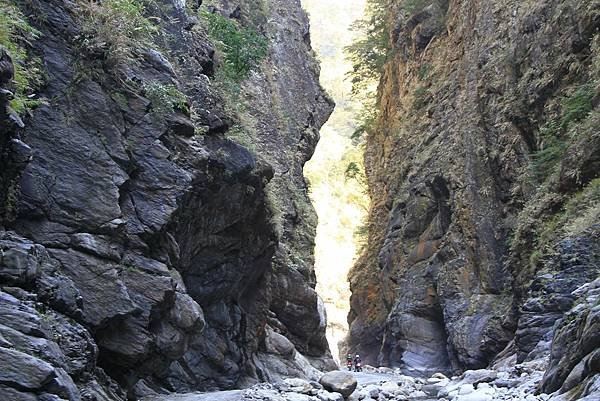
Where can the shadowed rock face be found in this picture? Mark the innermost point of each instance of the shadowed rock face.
(446, 279)
(136, 254)
(575, 349)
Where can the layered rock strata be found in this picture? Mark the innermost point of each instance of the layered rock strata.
(473, 246)
(141, 249)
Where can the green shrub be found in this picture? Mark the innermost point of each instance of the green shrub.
(239, 135)
(366, 118)
(368, 55)
(421, 97)
(165, 99)
(361, 236)
(15, 35)
(551, 152)
(579, 212)
(242, 48)
(578, 105)
(369, 52)
(424, 71)
(553, 135)
(352, 170)
(117, 28)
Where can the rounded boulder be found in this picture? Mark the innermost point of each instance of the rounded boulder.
(339, 382)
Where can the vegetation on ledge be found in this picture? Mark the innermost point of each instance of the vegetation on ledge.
(16, 34)
(242, 48)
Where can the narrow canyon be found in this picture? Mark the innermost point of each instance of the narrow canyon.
(221, 200)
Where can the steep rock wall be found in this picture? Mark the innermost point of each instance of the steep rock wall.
(141, 248)
(458, 228)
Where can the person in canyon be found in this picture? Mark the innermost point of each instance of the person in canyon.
(357, 363)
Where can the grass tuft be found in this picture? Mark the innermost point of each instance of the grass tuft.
(554, 136)
(15, 36)
(165, 99)
(118, 29)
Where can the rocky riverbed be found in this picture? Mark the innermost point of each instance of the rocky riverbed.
(507, 383)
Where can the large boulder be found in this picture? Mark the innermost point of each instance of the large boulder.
(278, 344)
(339, 382)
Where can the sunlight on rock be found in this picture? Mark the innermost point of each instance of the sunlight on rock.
(340, 201)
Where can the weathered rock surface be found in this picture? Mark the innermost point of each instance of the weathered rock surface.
(339, 382)
(469, 251)
(574, 362)
(140, 248)
(573, 263)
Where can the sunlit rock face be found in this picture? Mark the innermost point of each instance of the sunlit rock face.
(471, 218)
(341, 202)
(156, 230)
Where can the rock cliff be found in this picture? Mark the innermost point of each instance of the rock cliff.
(482, 169)
(155, 231)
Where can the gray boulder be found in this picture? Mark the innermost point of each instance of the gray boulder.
(339, 382)
(278, 344)
(479, 376)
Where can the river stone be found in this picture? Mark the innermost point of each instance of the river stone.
(324, 395)
(373, 393)
(433, 389)
(297, 397)
(339, 382)
(484, 394)
(465, 389)
(479, 376)
(299, 386)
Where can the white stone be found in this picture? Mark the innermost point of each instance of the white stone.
(324, 395)
(477, 395)
(297, 397)
(503, 375)
(389, 386)
(465, 389)
(263, 394)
